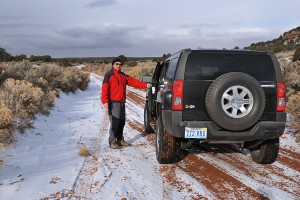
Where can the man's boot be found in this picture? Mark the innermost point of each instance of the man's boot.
(114, 146)
(122, 143)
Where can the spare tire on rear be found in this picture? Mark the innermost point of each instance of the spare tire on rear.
(235, 101)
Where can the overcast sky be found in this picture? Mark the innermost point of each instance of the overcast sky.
(83, 28)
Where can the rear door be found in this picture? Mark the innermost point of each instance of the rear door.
(153, 91)
(202, 68)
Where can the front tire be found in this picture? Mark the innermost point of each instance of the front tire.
(166, 145)
(266, 153)
(147, 119)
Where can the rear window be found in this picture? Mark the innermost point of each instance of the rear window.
(210, 66)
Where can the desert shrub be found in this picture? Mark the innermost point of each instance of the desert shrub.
(2, 74)
(51, 76)
(137, 72)
(100, 70)
(17, 70)
(68, 81)
(132, 63)
(293, 107)
(71, 79)
(35, 76)
(292, 77)
(49, 72)
(143, 68)
(23, 99)
(64, 62)
(80, 78)
(84, 81)
(39, 81)
(47, 101)
(6, 123)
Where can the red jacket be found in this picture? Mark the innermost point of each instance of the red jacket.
(114, 86)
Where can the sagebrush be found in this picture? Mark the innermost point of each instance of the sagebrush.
(291, 74)
(27, 89)
(293, 107)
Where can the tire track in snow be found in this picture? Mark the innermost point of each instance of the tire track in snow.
(220, 183)
(137, 98)
(277, 174)
(89, 181)
(87, 184)
(274, 180)
(289, 158)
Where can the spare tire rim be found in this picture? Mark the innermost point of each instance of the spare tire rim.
(237, 101)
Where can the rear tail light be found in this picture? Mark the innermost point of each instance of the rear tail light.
(177, 96)
(281, 96)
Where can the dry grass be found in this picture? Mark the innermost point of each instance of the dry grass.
(84, 151)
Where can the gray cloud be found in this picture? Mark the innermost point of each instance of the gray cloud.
(101, 3)
(19, 25)
(99, 30)
(69, 39)
(107, 35)
(104, 39)
(20, 17)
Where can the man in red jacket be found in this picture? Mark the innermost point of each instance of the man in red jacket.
(114, 98)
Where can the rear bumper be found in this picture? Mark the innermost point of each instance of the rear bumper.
(262, 130)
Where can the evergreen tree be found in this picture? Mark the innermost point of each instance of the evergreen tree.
(5, 56)
(122, 58)
(20, 57)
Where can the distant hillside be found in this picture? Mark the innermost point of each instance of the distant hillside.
(289, 40)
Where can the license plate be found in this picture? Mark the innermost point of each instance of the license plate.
(200, 133)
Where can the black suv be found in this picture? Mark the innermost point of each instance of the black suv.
(217, 96)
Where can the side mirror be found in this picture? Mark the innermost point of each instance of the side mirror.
(147, 79)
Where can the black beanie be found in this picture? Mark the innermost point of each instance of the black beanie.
(116, 60)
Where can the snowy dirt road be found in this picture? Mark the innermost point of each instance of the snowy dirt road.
(205, 172)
